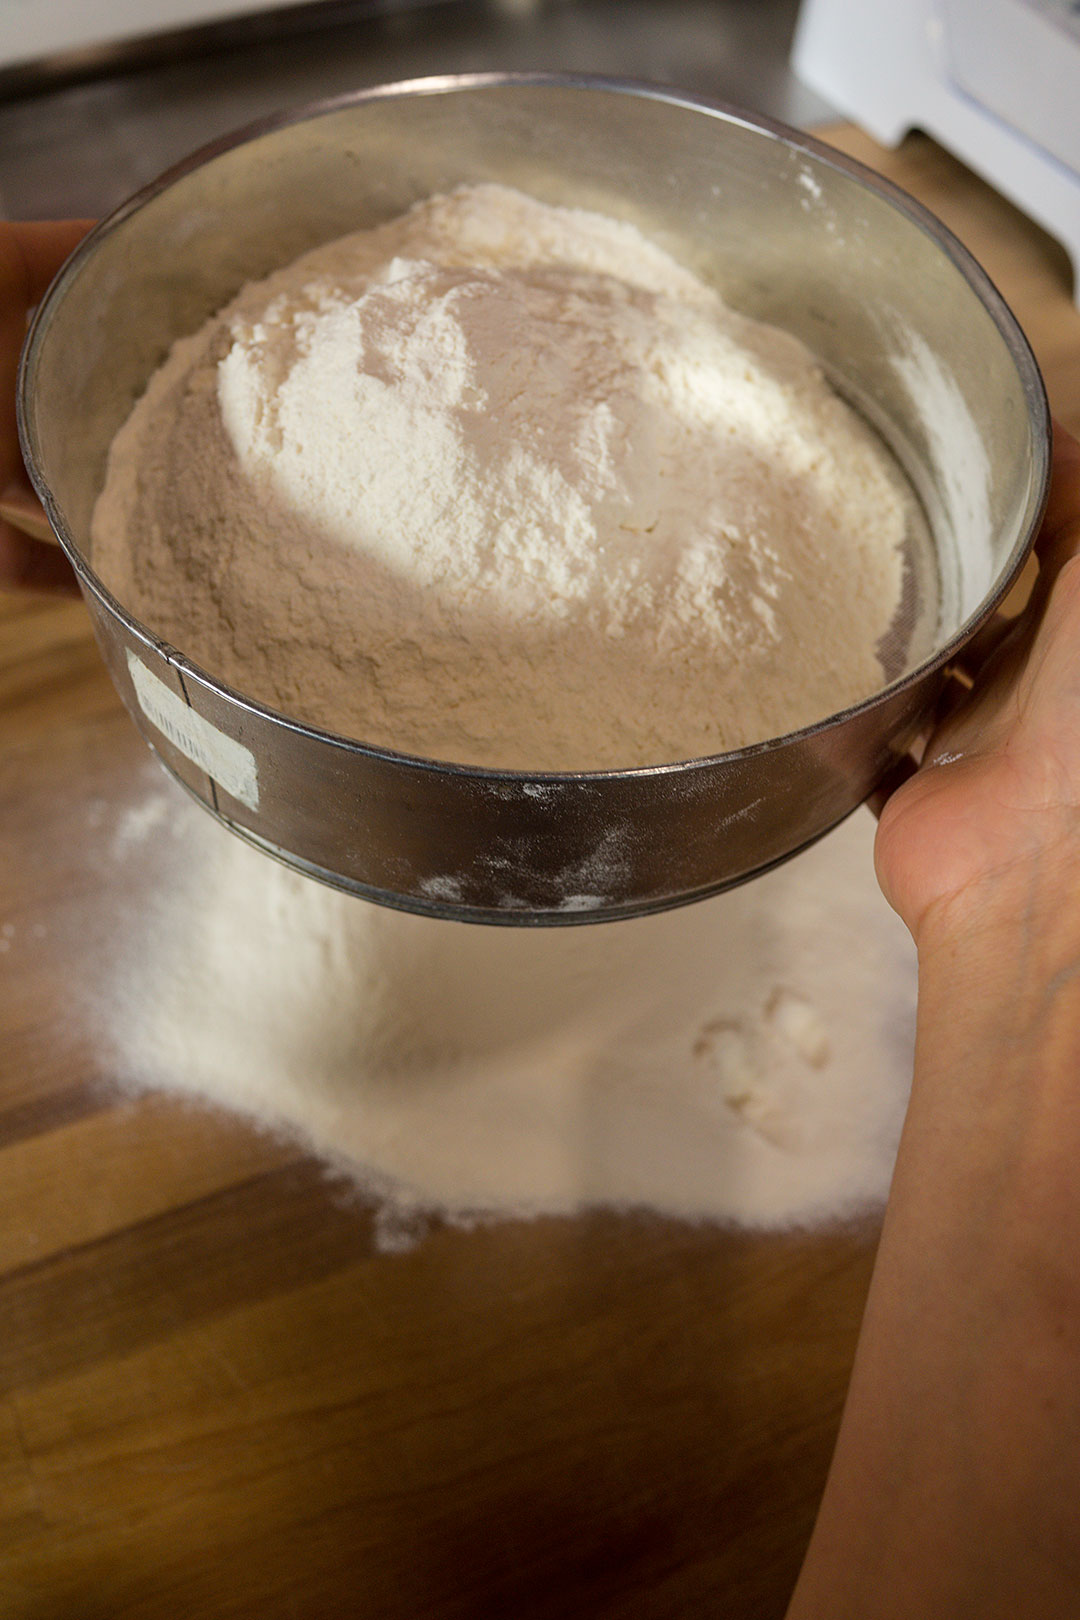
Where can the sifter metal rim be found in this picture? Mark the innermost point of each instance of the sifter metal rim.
(795, 141)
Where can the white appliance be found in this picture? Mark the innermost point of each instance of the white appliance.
(995, 81)
(31, 30)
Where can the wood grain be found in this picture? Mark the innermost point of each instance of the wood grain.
(219, 1398)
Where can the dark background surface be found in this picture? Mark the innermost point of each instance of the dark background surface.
(78, 149)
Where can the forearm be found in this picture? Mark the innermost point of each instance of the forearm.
(955, 1488)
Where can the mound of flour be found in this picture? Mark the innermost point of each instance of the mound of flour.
(503, 483)
(746, 1059)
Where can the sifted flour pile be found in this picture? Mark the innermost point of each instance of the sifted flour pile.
(746, 1059)
(503, 483)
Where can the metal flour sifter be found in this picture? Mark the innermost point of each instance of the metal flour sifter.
(908, 328)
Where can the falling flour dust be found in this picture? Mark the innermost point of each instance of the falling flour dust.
(746, 1059)
(503, 483)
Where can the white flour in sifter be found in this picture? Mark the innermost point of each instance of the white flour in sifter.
(503, 483)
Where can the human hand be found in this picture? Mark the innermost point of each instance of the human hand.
(30, 256)
(957, 1467)
(999, 785)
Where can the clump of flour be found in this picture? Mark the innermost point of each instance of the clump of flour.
(746, 1059)
(503, 483)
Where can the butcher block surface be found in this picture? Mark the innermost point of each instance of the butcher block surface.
(219, 1397)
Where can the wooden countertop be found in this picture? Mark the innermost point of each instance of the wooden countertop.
(218, 1398)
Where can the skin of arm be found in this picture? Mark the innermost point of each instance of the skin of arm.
(954, 1490)
(30, 255)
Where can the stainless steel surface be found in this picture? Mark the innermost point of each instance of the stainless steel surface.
(82, 148)
(80, 39)
(789, 231)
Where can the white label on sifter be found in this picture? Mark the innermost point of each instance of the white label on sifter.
(231, 765)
